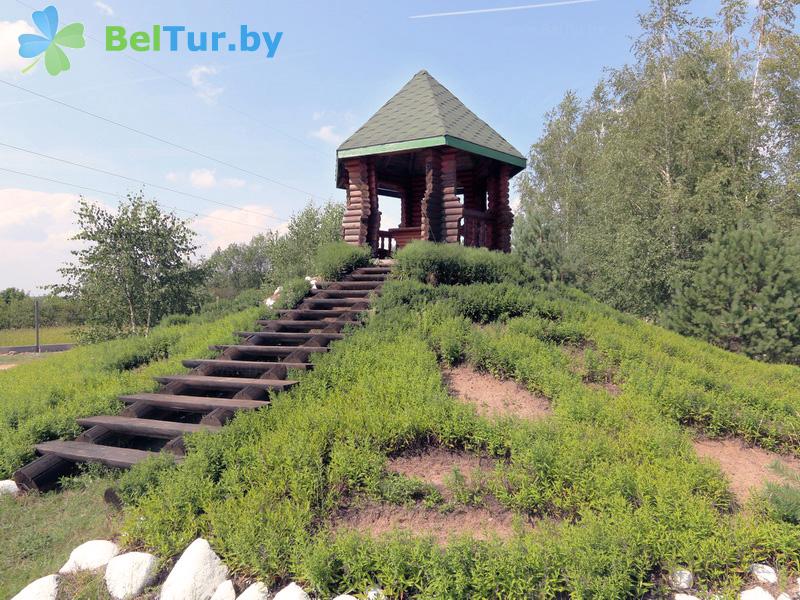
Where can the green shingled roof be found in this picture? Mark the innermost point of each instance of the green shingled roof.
(424, 114)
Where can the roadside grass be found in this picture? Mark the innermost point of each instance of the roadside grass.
(7, 360)
(38, 531)
(27, 336)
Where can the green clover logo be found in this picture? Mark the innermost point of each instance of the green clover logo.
(50, 41)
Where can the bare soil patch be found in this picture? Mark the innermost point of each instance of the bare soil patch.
(434, 466)
(482, 523)
(7, 366)
(494, 397)
(745, 466)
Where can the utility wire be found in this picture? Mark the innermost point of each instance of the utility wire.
(191, 88)
(139, 181)
(158, 139)
(114, 194)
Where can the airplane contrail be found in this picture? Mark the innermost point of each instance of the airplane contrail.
(501, 9)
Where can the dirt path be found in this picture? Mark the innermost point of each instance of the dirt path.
(494, 397)
(746, 467)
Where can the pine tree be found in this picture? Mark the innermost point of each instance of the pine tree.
(745, 294)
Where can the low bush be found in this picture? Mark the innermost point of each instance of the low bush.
(292, 292)
(336, 259)
(428, 262)
(612, 483)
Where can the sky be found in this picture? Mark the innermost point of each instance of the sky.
(237, 142)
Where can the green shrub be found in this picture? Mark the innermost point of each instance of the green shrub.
(292, 292)
(436, 264)
(335, 260)
(744, 295)
(142, 477)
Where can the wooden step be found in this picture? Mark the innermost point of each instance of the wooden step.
(243, 365)
(196, 404)
(313, 302)
(289, 336)
(366, 277)
(144, 427)
(373, 270)
(226, 383)
(343, 293)
(85, 452)
(358, 285)
(300, 314)
(269, 350)
(302, 325)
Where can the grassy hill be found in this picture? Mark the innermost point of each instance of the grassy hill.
(605, 495)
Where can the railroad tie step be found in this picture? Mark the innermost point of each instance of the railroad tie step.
(192, 404)
(255, 350)
(254, 366)
(144, 427)
(289, 336)
(303, 325)
(86, 452)
(367, 277)
(227, 383)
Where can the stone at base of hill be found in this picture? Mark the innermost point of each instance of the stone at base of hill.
(8, 487)
(376, 594)
(196, 575)
(756, 593)
(257, 591)
(345, 597)
(682, 579)
(128, 574)
(45, 588)
(90, 556)
(224, 591)
(292, 592)
(784, 596)
(764, 574)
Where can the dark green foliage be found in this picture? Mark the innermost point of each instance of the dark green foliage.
(17, 311)
(625, 187)
(745, 294)
(336, 259)
(428, 262)
(239, 267)
(292, 292)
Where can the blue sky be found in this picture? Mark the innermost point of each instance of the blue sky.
(279, 119)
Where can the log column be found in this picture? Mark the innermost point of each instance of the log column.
(374, 219)
(500, 210)
(452, 210)
(431, 225)
(356, 216)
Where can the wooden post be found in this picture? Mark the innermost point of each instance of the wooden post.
(36, 324)
(356, 217)
(452, 210)
(431, 212)
(502, 219)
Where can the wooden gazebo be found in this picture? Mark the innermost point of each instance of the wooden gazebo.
(449, 169)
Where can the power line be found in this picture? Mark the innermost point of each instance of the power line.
(139, 181)
(97, 191)
(158, 139)
(190, 87)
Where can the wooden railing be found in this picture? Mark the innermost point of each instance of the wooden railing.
(394, 239)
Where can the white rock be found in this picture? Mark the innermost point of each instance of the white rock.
(196, 575)
(270, 302)
(376, 594)
(764, 574)
(258, 591)
(8, 487)
(685, 597)
(784, 596)
(45, 588)
(681, 579)
(290, 592)
(345, 597)
(128, 574)
(90, 556)
(224, 591)
(756, 593)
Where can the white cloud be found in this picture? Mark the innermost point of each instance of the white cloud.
(104, 8)
(203, 178)
(172, 177)
(10, 60)
(35, 229)
(225, 226)
(207, 91)
(327, 134)
(234, 182)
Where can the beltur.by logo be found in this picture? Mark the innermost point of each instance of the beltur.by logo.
(50, 42)
(176, 37)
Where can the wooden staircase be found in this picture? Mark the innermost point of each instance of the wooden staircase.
(242, 377)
